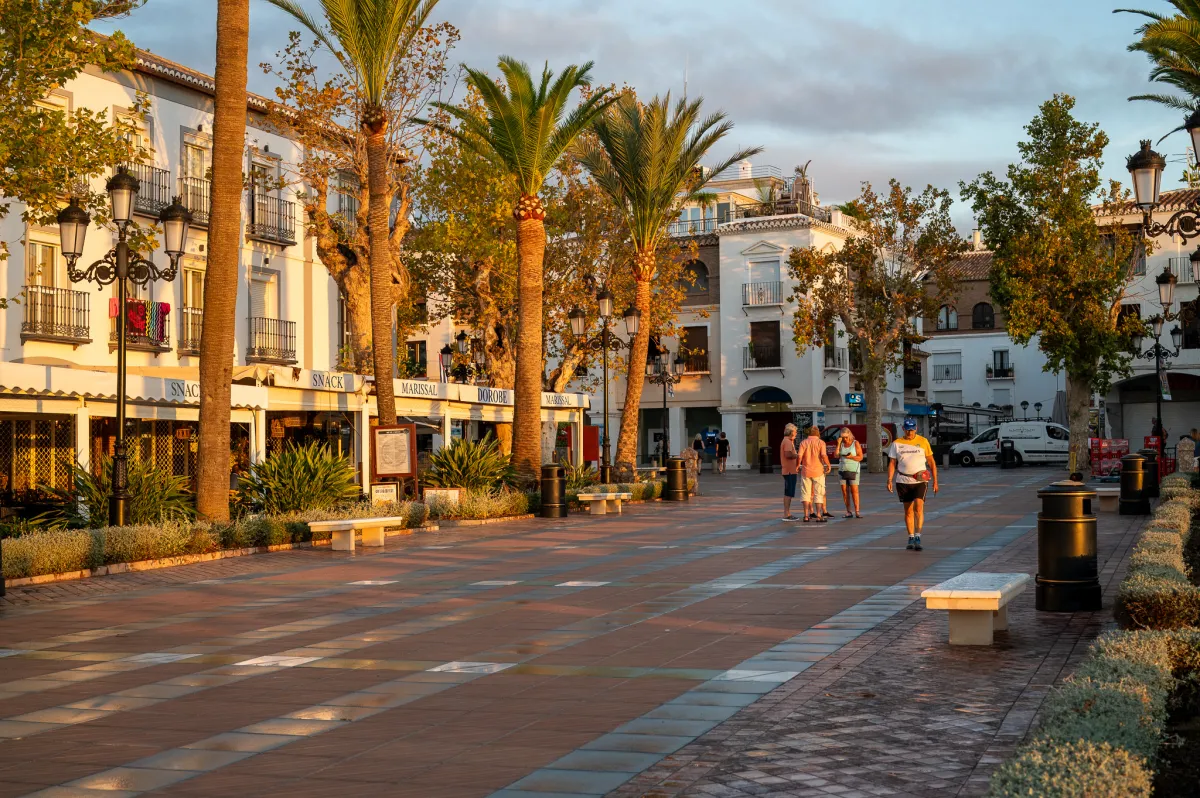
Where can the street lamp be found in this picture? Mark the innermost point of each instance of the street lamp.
(1159, 354)
(661, 372)
(1025, 410)
(1146, 169)
(1037, 407)
(121, 265)
(446, 359)
(602, 343)
(461, 340)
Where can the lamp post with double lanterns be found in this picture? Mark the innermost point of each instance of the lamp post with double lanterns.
(465, 345)
(121, 265)
(602, 343)
(665, 372)
(1158, 353)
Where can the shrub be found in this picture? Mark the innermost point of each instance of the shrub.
(581, 477)
(299, 478)
(1069, 770)
(52, 552)
(479, 504)
(1126, 713)
(1157, 592)
(474, 465)
(154, 496)
(134, 543)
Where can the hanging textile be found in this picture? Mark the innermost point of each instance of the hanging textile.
(135, 317)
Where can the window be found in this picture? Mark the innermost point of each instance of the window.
(264, 296)
(947, 318)
(696, 280)
(1000, 360)
(1002, 397)
(694, 348)
(417, 360)
(193, 285)
(764, 344)
(41, 264)
(948, 397)
(654, 349)
(987, 436)
(1139, 261)
(983, 317)
(1057, 433)
(946, 366)
(764, 271)
(195, 161)
(722, 212)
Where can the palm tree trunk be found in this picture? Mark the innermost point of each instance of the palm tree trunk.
(635, 377)
(379, 211)
(527, 396)
(224, 242)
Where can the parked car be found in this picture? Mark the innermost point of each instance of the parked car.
(1034, 441)
(830, 435)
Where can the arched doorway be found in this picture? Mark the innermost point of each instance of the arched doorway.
(768, 414)
(831, 397)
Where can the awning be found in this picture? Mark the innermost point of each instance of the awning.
(31, 380)
(919, 410)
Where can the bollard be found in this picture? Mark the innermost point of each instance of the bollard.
(764, 461)
(1151, 469)
(1008, 454)
(676, 489)
(1068, 578)
(1134, 500)
(554, 504)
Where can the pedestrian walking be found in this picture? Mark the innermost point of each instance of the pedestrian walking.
(814, 466)
(912, 467)
(722, 452)
(850, 455)
(789, 462)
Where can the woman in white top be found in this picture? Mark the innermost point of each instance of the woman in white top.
(850, 455)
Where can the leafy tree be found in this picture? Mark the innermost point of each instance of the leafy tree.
(335, 163)
(646, 158)
(896, 267)
(371, 39)
(1172, 43)
(1056, 272)
(224, 244)
(525, 133)
(43, 45)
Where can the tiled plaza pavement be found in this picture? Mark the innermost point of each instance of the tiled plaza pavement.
(545, 658)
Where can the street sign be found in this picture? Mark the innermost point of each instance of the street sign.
(856, 400)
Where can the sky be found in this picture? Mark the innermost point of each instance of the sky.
(926, 91)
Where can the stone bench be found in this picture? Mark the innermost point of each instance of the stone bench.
(1109, 499)
(977, 603)
(601, 503)
(343, 530)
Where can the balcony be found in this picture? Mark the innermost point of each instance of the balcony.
(787, 207)
(271, 341)
(696, 364)
(837, 358)
(57, 315)
(1000, 373)
(196, 195)
(154, 193)
(1183, 270)
(766, 294)
(147, 326)
(913, 378)
(762, 356)
(947, 372)
(272, 219)
(682, 228)
(191, 321)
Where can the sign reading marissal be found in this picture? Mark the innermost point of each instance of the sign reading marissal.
(419, 389)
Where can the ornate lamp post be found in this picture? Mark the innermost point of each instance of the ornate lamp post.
(122, 265)
(1037, 406)
(602, 343)
(446, 360)
(1159, 354)
(1024, 410)
(658, 373)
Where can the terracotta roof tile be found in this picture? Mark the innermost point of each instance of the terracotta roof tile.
(1175, 200)
(973, 266)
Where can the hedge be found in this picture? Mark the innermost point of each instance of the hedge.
(1157, 592)
(1102, 729)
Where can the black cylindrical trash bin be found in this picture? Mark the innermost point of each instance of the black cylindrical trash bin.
(1151, 469)
(554, 503)
(676, 489)
(764, 460)
(1068, 578)
(1134, 500)
(1008, 454)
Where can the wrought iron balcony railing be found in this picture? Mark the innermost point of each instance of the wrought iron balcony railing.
(272, 219)
(696, 364)
(154, 193)
(191, 325)
(271, 341)
(837, 358)
(196, 195)
(768, 293)
(1000, 372)
(946, 372)
(761, 356)
(147, 325)
(56, 314)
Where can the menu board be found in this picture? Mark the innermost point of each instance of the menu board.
(394, 451)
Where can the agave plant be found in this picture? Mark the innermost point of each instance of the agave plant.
(299, 478)
(470, 464)
(581, 476)
(155, 497)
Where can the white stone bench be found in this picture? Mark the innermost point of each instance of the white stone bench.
(1109, 499)
(343, 530)
(601, 503)
(977, 603)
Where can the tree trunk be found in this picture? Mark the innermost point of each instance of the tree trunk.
(1079, 395)
(635, 377)
(357, 291)
(378, 212)
(504, 437)
(527, 397)
(874, 396)
(224, 243)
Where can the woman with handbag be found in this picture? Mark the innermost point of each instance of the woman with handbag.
(850, 455)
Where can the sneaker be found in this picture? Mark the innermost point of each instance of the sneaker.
(789, 518)
(917, 543)
(912, 543)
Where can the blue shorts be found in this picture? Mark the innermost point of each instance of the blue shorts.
(789, 485)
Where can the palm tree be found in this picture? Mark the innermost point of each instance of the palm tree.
(224, 239)
(646, 158)
(1173, 46)
(368, 38)
(525, 131)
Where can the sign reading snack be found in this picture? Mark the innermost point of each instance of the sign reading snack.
(394, 451)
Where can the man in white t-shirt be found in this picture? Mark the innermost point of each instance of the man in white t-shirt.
(912, 466)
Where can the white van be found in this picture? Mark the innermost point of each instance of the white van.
(1035, 442)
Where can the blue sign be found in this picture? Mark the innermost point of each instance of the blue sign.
(919, 410)
(856, 400)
